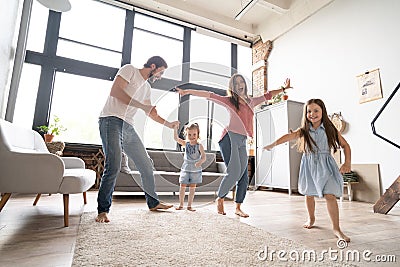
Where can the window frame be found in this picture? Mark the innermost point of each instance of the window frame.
(51, 63)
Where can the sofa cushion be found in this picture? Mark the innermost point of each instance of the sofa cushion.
(167, 161)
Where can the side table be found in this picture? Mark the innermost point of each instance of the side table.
(349, 190)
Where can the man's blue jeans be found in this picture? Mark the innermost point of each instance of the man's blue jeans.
(116, 134)
(234, 153)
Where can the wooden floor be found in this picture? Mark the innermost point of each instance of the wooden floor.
(35, 236)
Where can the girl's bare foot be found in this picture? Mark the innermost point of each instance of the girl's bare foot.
(102, 218)
(309, 223)
(179, 208)
(339, 234)
(190, 208)
(220, 206)
(240, 213)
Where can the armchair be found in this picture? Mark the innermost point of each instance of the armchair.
(26, 166)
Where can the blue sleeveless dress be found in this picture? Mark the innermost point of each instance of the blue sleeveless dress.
(319, 173)
(190, 174)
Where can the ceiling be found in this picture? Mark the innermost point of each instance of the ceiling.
(265, 19)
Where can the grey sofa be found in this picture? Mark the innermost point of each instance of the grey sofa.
(167, 166)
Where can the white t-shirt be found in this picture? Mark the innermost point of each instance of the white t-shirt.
(138, 88)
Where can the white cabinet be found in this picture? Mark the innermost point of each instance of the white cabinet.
(278, 168)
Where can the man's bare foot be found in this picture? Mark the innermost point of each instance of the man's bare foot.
(309, 223)
(220, 206)
(339, 234)
(162, 206)
(190, 208)
(240, 213)
(102, 218)
(179, 208)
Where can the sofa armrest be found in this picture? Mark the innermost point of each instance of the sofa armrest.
(73, 163)
(221, 167)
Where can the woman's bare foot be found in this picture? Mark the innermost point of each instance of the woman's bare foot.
(339, 234)
(240, 213)
(220, 206)
(309, 223)
(162, 206)
(102, 218)
(190, 208)
(179, 208)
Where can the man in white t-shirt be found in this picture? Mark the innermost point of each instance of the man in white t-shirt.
(130, 91)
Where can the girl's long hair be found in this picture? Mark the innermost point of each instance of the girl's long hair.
(305, 143)
(233, 97)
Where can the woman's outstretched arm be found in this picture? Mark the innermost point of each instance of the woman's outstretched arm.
(285, 86)
(199, 93)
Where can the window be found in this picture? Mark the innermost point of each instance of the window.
(87, 53)
(212, 51)
(158, 26)
(85, 34)
(209, 79)
(154, 37)
(220, 121)
(244, 56)
(199, 113)
(154, 134)
(26, 98)
(77, 101)
(37, 27)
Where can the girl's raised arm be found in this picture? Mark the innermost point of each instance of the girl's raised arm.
(176, 137)
(283, 139)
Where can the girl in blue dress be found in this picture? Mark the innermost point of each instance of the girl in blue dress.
(191, 171)
(319, 174)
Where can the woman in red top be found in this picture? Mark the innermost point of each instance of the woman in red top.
(234, 137)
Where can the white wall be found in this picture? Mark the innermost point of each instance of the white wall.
(9, 13)
(324, 54)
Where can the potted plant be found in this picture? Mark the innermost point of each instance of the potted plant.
(282, 96)
(250, 142)
(277, 98)
(55, 128)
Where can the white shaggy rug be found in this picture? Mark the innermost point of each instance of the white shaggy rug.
(181, 238)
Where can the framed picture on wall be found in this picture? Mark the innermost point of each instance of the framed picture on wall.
(369, 86)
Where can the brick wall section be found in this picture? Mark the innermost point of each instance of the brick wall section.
(260, 52)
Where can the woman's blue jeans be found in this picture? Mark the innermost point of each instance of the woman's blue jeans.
(117, 135)
(234, 153)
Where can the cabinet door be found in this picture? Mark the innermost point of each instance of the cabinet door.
(280, 161)
(263, 157)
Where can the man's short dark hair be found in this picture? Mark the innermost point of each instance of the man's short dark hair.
(156, 60)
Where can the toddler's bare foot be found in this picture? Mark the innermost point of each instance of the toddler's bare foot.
(220, 206)
(309, 223)
(102, 218)
(240, 213)
(179, 208)
(190, 208)
(339, 234)
(162, 206)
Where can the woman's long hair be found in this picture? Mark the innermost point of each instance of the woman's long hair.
(305, 143)
(233, 97)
